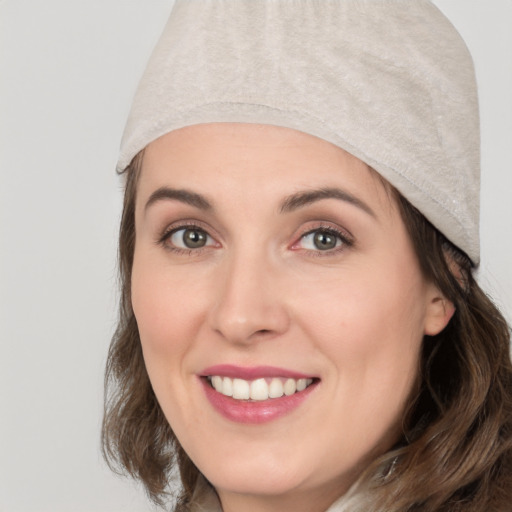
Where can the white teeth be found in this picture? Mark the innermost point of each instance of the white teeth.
(301, 384)
(241, 389)
(275, 389)
(290, 386)
(217, 382)
(227, 387)
(259, 389)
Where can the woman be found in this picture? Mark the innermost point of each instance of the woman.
(300, 328)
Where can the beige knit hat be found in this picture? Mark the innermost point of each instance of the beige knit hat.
(390, 81)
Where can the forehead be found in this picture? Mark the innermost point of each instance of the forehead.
(253, 158)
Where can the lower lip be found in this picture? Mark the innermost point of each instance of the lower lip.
(244, 411)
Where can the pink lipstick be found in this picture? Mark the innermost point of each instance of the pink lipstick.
(255, 394)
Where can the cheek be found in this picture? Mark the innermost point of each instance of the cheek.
(165, 318)
(371, 330)
(168, 321)
(358, 311)
(170, 312)
(165, 301)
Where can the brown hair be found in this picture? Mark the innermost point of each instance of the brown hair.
(456, 448)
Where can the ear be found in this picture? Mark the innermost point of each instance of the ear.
(439, 311)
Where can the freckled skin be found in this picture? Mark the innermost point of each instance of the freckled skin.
(259, 292)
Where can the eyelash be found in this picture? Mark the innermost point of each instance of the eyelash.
(345, 239)
(164, 239)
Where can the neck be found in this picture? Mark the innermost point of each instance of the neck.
(318, 500)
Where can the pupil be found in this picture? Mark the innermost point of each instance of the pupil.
(193, 238)
(324, 241)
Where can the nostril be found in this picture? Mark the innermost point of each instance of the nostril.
(263, 333)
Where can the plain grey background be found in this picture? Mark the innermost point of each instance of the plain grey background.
(68, 70)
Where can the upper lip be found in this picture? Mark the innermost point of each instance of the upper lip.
(252, 372)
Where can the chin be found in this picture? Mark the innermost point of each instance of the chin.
(273, 479)
(270, 484)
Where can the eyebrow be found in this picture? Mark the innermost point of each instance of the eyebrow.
(182, 195)
(301, 199)
(290, 204)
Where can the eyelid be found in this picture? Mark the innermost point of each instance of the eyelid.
(164, 235)
(310, 227)
(342, 234)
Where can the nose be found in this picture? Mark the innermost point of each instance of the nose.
(249, 304)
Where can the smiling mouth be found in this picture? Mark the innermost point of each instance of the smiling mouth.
(259, 389)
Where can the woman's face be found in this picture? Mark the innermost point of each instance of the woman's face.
(268, 261)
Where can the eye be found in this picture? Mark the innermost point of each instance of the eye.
(189, 238)
(322, 240)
